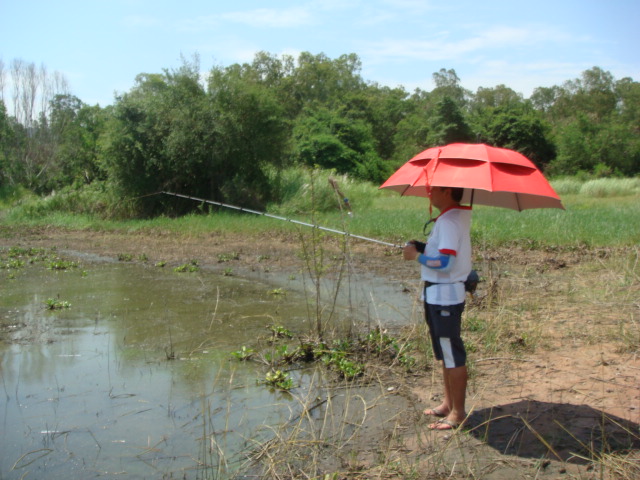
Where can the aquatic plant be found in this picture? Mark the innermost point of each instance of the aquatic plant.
(59, 264)
(13, 264)
(278, 331)
(244, 353)
(349, 369)
(279, 379)
(187, 267)
(54, 304)
(227, 257)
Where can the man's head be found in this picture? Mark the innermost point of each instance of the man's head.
(445, 197)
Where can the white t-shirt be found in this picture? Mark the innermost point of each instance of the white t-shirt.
(450, 235)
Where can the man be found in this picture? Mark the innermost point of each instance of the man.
(446, 264)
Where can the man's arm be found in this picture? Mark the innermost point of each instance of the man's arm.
(443, 262)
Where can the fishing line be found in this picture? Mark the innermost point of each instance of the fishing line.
(277, 217)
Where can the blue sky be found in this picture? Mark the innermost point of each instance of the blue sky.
(100, 46)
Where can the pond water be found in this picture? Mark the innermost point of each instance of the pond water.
(135, 378)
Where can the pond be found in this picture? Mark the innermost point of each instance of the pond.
(125, 369)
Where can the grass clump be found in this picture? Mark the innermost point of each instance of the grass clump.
(56, 304)
(60, 264)
(597, 187)
(566, 186)
(296, 196)
(190, 267)
(227, 257)
(94, 201)
(610, 187)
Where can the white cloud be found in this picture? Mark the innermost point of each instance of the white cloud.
(453, 45)
(258, 18)
(271, 18)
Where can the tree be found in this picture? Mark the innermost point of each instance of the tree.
(628, 105)
(318, 80)
(543, 99)
(171, 133)
(142, 146)
(332, 140)
(604, 149)
(448, 124)
(519, 128)
(75, 129)
(382, 108)
(595, 122)
(252, 136)
(448, 85)
(500, 96)
(32, 159)
(6, 147)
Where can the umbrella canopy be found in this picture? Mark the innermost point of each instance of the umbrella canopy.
(490, 176)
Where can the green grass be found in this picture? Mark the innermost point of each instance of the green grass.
(597, 187)
(586, 221)
(591, 218)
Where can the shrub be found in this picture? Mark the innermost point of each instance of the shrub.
(302, 190)
(611, 187)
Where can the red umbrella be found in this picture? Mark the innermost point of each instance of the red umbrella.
(490, 176)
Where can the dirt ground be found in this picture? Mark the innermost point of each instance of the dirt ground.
(562, 401)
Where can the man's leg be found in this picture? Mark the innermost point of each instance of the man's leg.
(444, 329)
(455, 390)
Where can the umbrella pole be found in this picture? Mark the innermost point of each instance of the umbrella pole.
(264, 214)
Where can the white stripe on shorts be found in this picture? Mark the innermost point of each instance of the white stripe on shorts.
(447, 352)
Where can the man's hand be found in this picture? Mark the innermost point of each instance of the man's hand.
(409, 252)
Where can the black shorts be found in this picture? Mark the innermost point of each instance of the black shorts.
(445, 323)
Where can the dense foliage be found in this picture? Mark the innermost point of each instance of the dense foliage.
(229, 135)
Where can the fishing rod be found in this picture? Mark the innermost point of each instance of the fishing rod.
(264, 214)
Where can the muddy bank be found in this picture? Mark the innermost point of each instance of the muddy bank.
(563, 391)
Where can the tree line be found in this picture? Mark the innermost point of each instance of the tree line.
(227, 135)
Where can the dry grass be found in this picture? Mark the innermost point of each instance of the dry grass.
(526, 319)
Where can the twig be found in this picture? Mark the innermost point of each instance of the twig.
(215, 310)
(512, 359)
(46, 450)
(614, 383)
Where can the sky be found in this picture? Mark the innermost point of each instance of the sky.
(101, 46)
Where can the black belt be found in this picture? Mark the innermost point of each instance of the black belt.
(428, 284)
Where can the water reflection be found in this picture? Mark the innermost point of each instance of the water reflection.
(89, 391)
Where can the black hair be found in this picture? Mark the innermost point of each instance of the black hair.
(456, 194)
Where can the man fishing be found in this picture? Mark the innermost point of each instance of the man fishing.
(445, 265)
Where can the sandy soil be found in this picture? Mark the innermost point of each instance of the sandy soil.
(568, 388)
